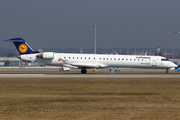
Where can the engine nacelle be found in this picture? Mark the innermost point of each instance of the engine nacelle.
(46, 55)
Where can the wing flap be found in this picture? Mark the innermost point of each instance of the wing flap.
(86, 65)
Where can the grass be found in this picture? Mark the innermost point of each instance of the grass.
(89, 98)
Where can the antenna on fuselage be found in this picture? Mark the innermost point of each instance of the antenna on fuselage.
(146, 53)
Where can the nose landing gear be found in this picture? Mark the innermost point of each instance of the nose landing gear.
(166, 71)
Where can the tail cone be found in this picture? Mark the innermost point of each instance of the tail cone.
(19, 56)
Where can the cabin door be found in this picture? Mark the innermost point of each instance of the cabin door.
(154, 62)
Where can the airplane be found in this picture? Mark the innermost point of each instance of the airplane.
(89, 61)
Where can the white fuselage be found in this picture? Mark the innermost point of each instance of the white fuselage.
(101, 61)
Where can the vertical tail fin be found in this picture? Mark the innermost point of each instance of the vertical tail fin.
(22, 46)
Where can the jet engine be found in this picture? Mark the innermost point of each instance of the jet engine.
(46, 55)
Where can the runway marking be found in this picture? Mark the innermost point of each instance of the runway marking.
(89, 75)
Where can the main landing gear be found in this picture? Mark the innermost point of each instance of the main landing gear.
(83, 71)
(166, 71)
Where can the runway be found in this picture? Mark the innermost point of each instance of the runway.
(62, 75)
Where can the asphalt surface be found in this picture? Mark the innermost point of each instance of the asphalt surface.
(76, 75)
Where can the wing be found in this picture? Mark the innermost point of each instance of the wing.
(83, 65)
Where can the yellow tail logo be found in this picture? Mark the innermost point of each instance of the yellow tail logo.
(23, 48)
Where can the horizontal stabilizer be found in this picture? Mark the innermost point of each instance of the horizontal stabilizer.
(14, 40)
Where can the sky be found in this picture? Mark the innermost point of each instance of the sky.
(69, 23)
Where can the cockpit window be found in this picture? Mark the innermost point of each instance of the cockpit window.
(164, 60)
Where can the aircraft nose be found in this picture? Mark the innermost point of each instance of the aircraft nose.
(174, 65)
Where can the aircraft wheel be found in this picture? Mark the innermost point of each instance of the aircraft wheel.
(83, 71)
(166, 71)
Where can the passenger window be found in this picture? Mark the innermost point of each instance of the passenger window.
(114, 58)
(69, 57)
(107, 58)
(118, 58)
(85, 58)
(103, 58)
(99, 58)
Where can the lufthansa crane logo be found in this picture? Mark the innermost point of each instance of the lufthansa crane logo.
(23, 48)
